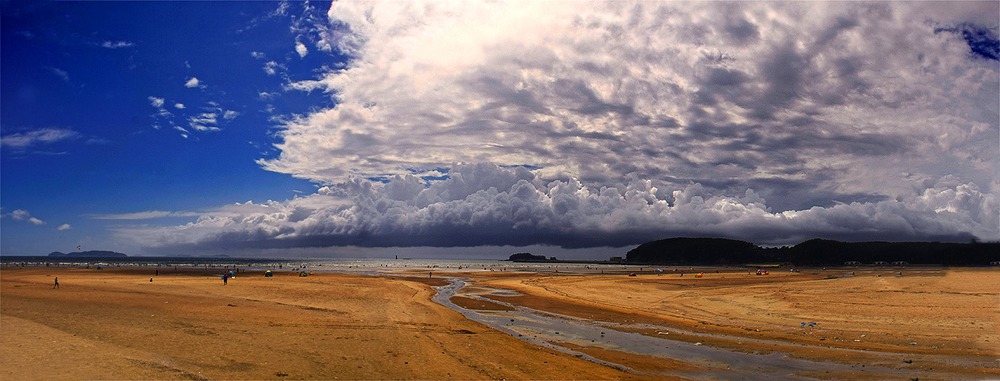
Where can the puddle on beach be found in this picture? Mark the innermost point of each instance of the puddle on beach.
(544, 329)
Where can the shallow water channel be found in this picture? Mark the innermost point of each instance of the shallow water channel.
(547, 329)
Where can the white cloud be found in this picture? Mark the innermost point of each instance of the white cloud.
(192, 82)
(184, 132)
(630, 121)
(116, 44)
(271, 67)
(22, 140)
(311, 26)
(230, 114)
(748, 92)
(23, 215)
(20, 215)
(205, 118)
(64, 227)
(179, 106)
(258, 55)
(281, 10)
(204, 122)
(301, 49)
(62, 74)
(155, 101)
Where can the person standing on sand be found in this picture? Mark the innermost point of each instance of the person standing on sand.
(56, 284)
(225, 279)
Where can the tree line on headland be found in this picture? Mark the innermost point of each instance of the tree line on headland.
(815, 252)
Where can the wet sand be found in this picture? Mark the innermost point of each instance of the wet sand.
(927, 323)
(115, 324)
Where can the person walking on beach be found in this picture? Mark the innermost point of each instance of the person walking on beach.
(56, 284)
(225, 279)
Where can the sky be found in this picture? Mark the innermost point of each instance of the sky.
(577, 129)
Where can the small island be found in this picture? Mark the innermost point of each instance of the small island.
(528, 257)
(89, 254)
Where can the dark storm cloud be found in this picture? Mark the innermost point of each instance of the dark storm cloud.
(488, 205)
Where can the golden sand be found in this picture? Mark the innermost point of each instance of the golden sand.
(116, 324)
(923, 323)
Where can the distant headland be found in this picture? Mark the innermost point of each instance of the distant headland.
(89, 254)
(815, 252)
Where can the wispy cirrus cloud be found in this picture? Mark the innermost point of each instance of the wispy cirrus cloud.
(144, 215)
(33, 138)
(62, 74)
(116, 44)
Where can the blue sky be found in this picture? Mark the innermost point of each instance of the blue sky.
(86, 74)
(481, 129)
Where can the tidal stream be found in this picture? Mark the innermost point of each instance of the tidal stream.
(546, 329)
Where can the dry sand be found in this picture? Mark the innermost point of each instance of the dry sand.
(116, 324)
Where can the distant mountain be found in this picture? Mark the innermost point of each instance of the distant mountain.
(713, 251)
(695, 251)
(89, 253)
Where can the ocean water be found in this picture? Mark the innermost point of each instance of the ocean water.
(370, 266)
(377, 266)
(190, 262)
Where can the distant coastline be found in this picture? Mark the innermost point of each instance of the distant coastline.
(89, 254)
(815, 252)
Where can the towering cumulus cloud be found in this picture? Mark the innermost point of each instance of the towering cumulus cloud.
(610, 123)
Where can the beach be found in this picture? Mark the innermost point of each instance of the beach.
(115, 323)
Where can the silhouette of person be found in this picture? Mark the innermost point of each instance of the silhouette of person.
(56, 284)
